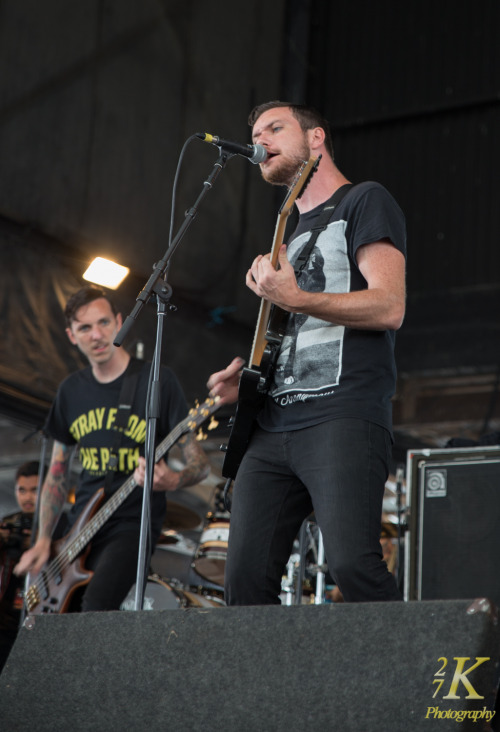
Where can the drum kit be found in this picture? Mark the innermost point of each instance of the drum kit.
(187, 567)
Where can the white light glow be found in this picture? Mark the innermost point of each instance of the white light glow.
(106, 273)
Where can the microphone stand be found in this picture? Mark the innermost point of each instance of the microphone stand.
(153, 411)
(163, 292)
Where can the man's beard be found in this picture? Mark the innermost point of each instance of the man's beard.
(284, 174)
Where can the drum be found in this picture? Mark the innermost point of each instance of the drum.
(162, 595)
(173, 557)
(210, 560)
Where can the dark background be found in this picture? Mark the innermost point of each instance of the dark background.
(96, 102)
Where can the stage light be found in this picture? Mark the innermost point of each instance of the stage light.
(106, 273)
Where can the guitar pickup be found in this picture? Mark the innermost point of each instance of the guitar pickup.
(48, 610)
(263, 385)
(43, 586)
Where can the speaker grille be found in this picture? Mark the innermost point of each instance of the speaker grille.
(459, 530)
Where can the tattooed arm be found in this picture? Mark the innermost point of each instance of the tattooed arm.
(196, 463)
(196, 468)
(53, 496)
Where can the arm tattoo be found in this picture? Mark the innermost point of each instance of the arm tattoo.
(55, 488)
(196, 462)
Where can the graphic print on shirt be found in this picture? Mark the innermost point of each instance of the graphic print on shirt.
(95, 459)
(310, 361)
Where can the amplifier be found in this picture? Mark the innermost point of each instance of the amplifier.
(453, 539)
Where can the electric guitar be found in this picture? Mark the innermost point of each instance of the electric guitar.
(54, 586)
(271, 324)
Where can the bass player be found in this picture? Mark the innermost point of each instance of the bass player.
(85, 413)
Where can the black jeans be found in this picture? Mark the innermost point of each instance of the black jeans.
(114, 563)
(338, 469)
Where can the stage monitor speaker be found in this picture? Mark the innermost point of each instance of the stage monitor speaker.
(453, 543)
(403, 667)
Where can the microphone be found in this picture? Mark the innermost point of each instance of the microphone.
(255, 153)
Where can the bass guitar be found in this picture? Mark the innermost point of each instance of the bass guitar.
(55, 585)
(271, 323)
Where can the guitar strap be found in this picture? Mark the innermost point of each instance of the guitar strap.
(124, 408)
(321, 224)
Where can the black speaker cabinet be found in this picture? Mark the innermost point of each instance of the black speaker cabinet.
(453, 542)
(367, 667)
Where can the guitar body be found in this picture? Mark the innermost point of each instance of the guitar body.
(53, 594)
(253, 388)
(250, 402)
(275, 333)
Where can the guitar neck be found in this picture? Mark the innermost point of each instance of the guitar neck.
(301, 180)
(194, 419)
(100, 518)
(259, 339)
(116, 500)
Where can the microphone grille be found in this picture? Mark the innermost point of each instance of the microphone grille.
(260, 154)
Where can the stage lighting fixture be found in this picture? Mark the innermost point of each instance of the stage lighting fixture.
(106, 273)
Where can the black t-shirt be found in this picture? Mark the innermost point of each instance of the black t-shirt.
(84, 413)
(325, 371)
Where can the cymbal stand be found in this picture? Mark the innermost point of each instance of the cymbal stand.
(287, 582)
(307, 542)
(318, 569)
(301, 564)
(319, 597)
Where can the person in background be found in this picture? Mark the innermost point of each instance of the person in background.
(15, 537)
(86, 413)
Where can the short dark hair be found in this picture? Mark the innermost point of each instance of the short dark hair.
(84, 296)
(32, 467)
(308, 117)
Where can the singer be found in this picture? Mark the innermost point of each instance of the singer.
(322, 440)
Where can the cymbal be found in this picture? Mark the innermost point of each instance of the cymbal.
(169, 537)
(180, 517)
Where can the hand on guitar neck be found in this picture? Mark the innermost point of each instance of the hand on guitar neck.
(224, 384)
(276, 283)
(164, 478)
